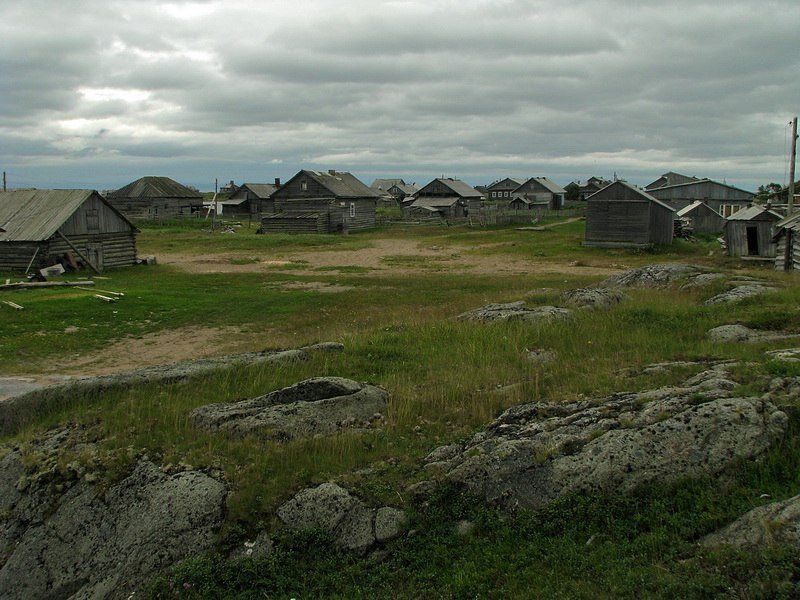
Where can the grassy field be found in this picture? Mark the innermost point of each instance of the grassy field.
(446, 379)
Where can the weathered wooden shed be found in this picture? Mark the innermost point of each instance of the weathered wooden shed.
(39, 227)
(749, 232)
(321, 202)
(621, 215)
(156, 198)
(250, 200)
(786, 235)
(721, 197)
(702, 218)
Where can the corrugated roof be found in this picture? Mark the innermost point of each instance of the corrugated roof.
(751, 212)
(154, 187)
(35, 215)
(342, 184)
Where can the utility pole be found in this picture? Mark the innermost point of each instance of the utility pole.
(790, 204)
(214, 203)
(4, 181)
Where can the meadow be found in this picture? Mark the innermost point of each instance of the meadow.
(447, 379)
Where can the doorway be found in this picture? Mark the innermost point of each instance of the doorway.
(752, 241)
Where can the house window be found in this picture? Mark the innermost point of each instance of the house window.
(506, 194)
(729, 209)
(304, 186)
(352, 209)
(494, 194)
(92, 219)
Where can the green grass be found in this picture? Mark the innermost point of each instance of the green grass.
(447, 379)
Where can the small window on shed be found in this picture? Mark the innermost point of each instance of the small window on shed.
(352, 209)
(92, 219)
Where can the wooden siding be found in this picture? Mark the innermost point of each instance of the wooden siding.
(705, 220)
(356, 214)
(662, 225)
(297, 223)
(155, 208)
(739, 241)
(105, 251)
(712, 193)
(301, 187)
(787, 258)
(618, 223)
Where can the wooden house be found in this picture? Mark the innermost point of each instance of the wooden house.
(39, 228)
(250, 200)
(502, 190)
(450, 198)
(539, 190)
(786, 236)
(156, 198)
(701, 218)
(721, 197)
(321, 202)
(621, 215)
(592, 186)
(749, 232)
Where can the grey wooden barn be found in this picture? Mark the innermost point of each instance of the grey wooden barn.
(538, 190)
(321, 202)
(39, 227)
(702, 218)
(621, 215)
(787, 243)
(721, 197)
(749, 232)
(156, 198)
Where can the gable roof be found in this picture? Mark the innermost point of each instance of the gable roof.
(458, 187)
(36, 215)
(694, 206)
(551, 186)
(407, 188)
(513, 180)
(434, 202)
(340, 183)
(752, 212)
(696, 182)
(154, 187)
(261, 190)
(601, 194)
(385, 184)
(670, 178)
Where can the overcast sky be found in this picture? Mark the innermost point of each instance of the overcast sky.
(99, 93)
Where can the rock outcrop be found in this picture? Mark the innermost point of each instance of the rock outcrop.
(317, 406)
(514, 311)
(741, 334)
(739, 293)
(655, 276)
(535, 453)
(66, 537)
(14, 411)
(599, 297)
(774, 523)
(333, 509)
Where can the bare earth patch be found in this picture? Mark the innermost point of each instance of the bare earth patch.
(453, 258)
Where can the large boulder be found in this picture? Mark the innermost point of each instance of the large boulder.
(333, 509)
(597, 297)
(317, 406)
(514, 311)
(740, 334)
(67, 537)
(739, 293)
(535, 453)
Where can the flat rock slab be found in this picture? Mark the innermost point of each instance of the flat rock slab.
(317, 406)
(14, 410)
(741, 334)
(535, 453)
(774, 523)
(739, 293)
(515, 311)
(654, 276)
(76, 540)
(599, 297)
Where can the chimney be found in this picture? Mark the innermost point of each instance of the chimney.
(277, 182)
(331, 171)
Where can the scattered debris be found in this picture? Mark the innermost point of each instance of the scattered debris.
(44, 284)
(105, 298)
(13, 305)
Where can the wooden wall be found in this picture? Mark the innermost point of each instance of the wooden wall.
(787, 260)
(156, 208)
(618, 223)
(736, 238)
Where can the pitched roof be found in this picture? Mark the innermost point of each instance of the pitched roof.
(633, 188)
(385, 184)
(261, 190)
(548, 184)
(694, 206)
(433, 202)
(751, 212)
(513, 180)
(696, 182)
(458, 187)
(341, 184)
(154, 187)
(407, 188)
(35, 215)
(670, 178)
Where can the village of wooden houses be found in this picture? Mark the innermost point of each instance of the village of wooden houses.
(71, 228)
